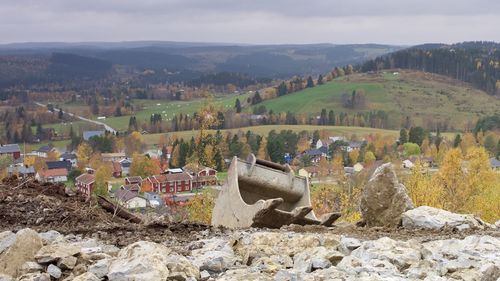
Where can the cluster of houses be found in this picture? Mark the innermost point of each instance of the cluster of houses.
(173, 186)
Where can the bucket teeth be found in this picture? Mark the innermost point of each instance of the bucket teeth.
(329, 218)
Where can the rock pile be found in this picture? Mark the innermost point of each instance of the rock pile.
(250, 255)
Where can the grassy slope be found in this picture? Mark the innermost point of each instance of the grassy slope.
(423, 96)
(170, 108)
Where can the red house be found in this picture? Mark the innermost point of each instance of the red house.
(201, 175)
(133, 180)
(10, 149)
(85, 183)
(168, 183)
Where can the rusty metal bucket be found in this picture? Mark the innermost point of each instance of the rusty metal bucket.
(260, 193)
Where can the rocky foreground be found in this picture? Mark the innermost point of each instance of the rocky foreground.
(253, 254)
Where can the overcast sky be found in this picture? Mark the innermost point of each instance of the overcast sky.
(251, 21)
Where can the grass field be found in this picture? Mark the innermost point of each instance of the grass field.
(170, 108)
(153, 139)
(424, 97)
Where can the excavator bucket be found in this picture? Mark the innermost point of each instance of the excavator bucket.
(260, 193)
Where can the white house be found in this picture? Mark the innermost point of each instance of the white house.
(52, 175)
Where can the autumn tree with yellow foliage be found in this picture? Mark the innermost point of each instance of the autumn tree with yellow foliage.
(463, 184)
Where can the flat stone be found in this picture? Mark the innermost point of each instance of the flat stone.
(55, 252)
(54, 271)
(68, 262)
(88, 276)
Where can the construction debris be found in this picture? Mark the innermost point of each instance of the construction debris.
(260, 193)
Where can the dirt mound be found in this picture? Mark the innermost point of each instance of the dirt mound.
(45, 206)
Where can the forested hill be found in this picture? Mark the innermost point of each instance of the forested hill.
(477, 63)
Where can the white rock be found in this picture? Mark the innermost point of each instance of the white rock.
(88, 276)
(140, 261)
(432, 218)
(26, 244)
(100, 268)
(34, 277)
(55, 252)
(384, 198)
(348, 244)
(51, 236)
(4, 277)
(7, 238)
(204, 275)
(54, 271)
(67, 262)
(179, 264)
(30, 267)
(216, 255)
(401, 254)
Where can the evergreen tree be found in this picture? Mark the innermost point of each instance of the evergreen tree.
(282, 89)
(331, 118)
(320, 80)
(237, 106)
(310, 82)
(457, 140)
(403, 136)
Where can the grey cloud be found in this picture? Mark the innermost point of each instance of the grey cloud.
(251, 21)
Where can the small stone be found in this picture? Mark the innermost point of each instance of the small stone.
(54, 271)
(204, 275)
(31, 267)
(7, 238)
(67, 262)
(50, 237)
(4, 277)
(100, 268)
(34, 277)
(88, 276)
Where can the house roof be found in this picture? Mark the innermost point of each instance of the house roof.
(88, 134)
(85, 178)
(68, 156)
(58, 165)
(9, 148)
(174, 170)
(53, 173)
(125, 195)
(131, 187)
(323, 149)
(133, 179)
(178, 177)
(313, 152)
(45, 149)
(21, 169)
(495, 163)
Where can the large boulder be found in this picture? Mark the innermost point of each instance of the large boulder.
(23, 249)
(384, 199)
(140, 261)
(426, 217)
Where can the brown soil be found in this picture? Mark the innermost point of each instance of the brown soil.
(44, 207)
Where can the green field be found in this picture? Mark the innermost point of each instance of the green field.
(422, 96)
(153, 139)
(170, 108)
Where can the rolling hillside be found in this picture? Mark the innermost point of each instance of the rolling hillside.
(426, 98)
